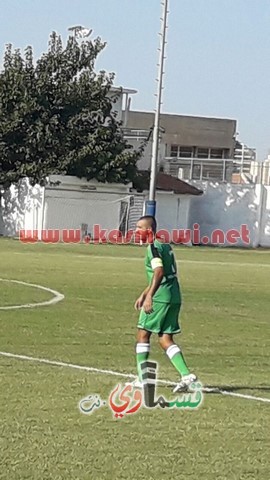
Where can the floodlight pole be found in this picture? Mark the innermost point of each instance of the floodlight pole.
(150, 205)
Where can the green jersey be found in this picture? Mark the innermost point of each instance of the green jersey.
(161, 255)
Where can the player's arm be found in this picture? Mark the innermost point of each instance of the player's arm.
(155, 284)
(139, 302)
(145, 299)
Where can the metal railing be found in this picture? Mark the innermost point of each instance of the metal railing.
(135, 134)
(223, 170)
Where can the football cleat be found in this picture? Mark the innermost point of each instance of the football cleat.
(185, 382)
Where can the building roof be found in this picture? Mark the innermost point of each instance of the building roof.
(165, 183)
(124, 90)
(187, 130)
(172, 184)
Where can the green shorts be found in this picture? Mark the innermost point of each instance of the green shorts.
(163, 319)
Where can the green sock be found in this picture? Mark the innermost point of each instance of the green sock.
(142, 354)
(177, 359)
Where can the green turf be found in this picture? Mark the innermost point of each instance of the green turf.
(226, 341)
(20, 294)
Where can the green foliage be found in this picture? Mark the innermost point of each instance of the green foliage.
(57, 116)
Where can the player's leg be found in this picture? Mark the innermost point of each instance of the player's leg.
(174, 353)
(142, 349)
(170, 326)
(176, 357)
(148, 323)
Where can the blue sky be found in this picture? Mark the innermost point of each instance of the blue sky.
(218, 52)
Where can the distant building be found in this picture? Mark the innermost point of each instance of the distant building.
(243, 156)
(190, 147)
(193, 148)
(245, 165)
(266, 171)
(122, 101)
(260, 171)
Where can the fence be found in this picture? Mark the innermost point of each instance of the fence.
(224, 170)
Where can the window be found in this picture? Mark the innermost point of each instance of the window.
(174, 151)
(186, 152)
(216, 153)
(183, 152)
(203, 153)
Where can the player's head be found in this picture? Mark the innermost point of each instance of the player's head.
(147, 222)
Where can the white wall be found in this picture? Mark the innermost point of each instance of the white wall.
(75, 202)
(172, 211)
(227, 206)
(2, 225)
(22, 208)
(265, 217)
(65, 206)
(222, 206)
(69, 210)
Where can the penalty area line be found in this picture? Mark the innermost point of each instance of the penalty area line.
(125, 375)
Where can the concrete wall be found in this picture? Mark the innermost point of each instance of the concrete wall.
(22, 208)
(145, 161)
(75, 202)
(72, 203)
(227, 206)
(71, 209)
(265, 217)
(64, 206)
(172, 211)
(223, 206)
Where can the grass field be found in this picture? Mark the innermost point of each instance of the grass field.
(226, 341)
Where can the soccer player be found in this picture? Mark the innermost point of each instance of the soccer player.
(160, 304)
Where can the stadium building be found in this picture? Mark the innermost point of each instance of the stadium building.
(192, 147)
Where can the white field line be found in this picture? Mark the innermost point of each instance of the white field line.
(195, 262)
(183, 261)
(124, 375)
(57, 297)
(64, 364)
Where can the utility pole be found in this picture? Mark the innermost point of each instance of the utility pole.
(150, 205)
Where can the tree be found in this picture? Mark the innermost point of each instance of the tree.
(56, 116)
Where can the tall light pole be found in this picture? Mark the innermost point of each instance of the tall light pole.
(150, 205)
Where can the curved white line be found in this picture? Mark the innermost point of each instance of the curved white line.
(57, 297)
